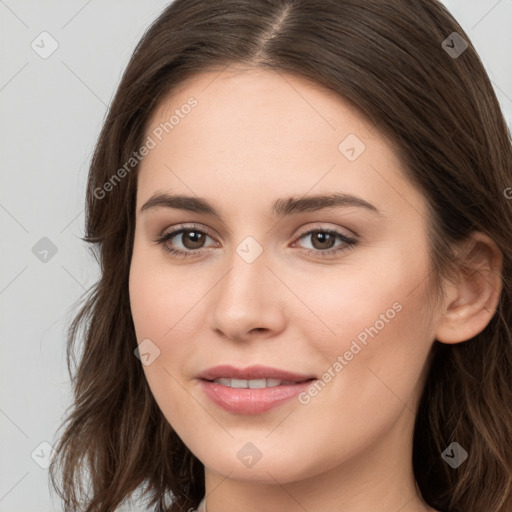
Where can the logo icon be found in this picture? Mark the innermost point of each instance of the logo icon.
(249, 249)
(454, 45)
(352, 147)
(44, 45)
(147, 352)
(43, 454)
(454, 455)
(44, 250)
(249, 454)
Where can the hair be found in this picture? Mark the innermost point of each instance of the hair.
(442, 117)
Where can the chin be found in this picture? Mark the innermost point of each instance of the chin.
(243, 461)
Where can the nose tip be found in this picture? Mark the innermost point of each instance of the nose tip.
(246, 303)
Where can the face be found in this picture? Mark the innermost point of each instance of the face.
(336, 292)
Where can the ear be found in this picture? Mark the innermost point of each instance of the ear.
(470, 303)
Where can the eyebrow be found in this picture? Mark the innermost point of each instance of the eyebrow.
(280, 208)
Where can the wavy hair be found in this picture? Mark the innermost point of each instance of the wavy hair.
(441, 115)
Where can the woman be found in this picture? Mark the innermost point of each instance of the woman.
(301, 213)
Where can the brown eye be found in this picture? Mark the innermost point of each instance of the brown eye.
(322, 240)
(183, 242)
(192, 239)
(188, 242)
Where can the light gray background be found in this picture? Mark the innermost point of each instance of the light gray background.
(51, 111)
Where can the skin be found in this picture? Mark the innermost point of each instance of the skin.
(256, 136)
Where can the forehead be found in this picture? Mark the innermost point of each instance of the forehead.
(259, 131)
(248, 96)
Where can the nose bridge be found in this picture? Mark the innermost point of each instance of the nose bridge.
(245, 297)
(242, 284)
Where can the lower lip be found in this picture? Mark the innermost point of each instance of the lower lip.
(250, 400)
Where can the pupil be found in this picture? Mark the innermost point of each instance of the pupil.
(324, 238)
(195, 238)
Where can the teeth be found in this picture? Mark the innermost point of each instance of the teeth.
(238, 383)
(256, 383)
(252, 383)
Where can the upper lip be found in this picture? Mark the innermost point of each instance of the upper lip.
(251, 372)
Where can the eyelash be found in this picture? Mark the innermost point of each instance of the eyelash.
(350, 242)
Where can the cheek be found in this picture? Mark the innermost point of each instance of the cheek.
(167, 305)
(360, 301)
(375, 328)
(161, 295)
(160, 305)
(373, 365)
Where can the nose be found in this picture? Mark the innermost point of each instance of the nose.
(248, 302)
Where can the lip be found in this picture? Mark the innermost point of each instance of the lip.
(251, 400)
(251, 372)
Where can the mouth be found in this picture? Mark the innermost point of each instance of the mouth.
(252, 373)
(256, 383)
(252, 390)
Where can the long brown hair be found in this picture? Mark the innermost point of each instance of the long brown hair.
(441, 114)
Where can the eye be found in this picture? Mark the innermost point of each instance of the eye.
(192, 240)
(323, 241)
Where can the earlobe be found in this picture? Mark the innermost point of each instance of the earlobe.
(471, 303)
